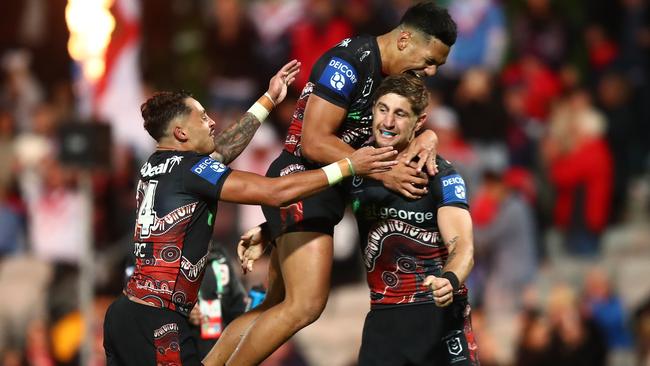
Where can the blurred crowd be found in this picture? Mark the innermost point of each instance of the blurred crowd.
(543, 106)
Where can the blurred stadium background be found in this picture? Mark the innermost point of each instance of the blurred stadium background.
(543, 105)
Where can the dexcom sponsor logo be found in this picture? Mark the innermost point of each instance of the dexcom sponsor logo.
(456, 179)
(339, 76)
(345, 69)
(394, 213)
(209, 169)
(453, 189)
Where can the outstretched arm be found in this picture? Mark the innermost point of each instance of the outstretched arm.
(235, 137)
(456, 229)
(248, 188)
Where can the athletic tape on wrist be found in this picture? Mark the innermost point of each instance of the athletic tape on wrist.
(259, 111)
(271, 99)
(333, 173)
(351, 167)
(453, 280)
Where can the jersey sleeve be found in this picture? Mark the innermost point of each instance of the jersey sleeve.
(204, 177)
(336, 75)
(448, 187)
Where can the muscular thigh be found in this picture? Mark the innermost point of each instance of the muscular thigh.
(305, 260)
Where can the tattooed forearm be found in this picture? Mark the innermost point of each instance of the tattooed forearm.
(233, 139)
(451, 247)
(451, 255)
(453, 241)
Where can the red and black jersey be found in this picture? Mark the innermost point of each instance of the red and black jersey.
(400, 240)
(177, 200)
(346, 75)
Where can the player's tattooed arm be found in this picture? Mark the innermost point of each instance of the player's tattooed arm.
(456, 229)
(451, 248)
(233, 139)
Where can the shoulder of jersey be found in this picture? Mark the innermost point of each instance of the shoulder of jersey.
(443, 164)
(358, 47)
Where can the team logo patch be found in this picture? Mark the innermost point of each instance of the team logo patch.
(454, 346)
(209, 169)
(453, 189)
(339, 77)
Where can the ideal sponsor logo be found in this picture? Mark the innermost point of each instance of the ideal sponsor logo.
(344, 68)
(149, 170)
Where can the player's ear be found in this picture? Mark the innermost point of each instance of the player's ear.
(403, 38)
(180, 134)
(420, 122)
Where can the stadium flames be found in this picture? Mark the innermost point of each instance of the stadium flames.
(91, 24)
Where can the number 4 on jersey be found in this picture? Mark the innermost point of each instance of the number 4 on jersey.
(146, 214)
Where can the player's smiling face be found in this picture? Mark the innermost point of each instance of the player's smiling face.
(393, 121)
(200, 128)
(421, 56)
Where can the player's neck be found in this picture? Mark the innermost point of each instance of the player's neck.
(166, 145)
(383, 43)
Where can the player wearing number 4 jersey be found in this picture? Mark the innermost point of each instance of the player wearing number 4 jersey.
(177, 196)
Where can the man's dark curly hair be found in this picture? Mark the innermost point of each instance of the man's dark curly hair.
(161, 108)
(431, 20)
(410, 87)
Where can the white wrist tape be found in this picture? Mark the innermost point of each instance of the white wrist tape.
(258, 111)
(333, 173)
(271, 99)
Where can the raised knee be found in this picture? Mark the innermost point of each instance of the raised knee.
(308, 310)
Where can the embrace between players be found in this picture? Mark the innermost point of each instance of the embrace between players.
(416, 230)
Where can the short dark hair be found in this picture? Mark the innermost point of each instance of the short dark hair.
(410, 87)
(431, 20)
(161, 108)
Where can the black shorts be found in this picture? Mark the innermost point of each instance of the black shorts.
(137, 334)
(318, 213)
(419, 335)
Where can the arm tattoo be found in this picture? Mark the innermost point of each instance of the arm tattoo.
(452, 241)
(230, 142)
(451, 245)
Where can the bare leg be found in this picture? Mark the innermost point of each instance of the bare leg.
(234, 332)
(306, 264)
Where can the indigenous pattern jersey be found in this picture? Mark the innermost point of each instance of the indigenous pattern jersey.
(346, 75)
(400, 241)
(176, 204)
